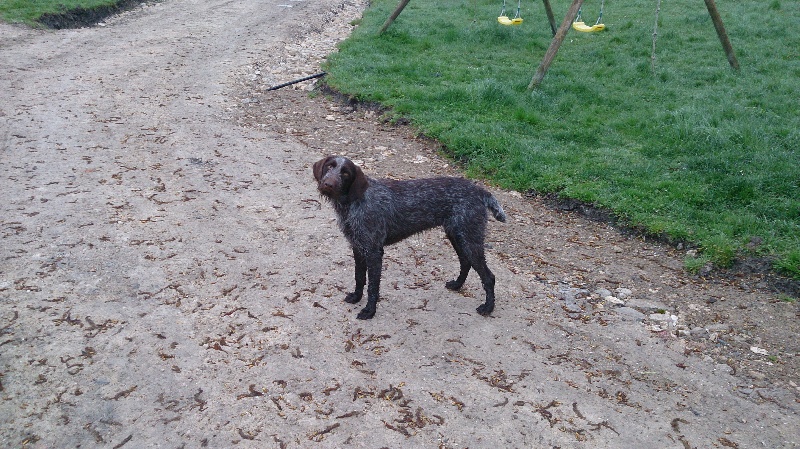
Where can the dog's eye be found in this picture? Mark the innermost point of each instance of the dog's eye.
(345, 175)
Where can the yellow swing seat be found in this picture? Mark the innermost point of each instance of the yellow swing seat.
(580, 26)
(504, 20)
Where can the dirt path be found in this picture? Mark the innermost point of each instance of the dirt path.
(170, 278)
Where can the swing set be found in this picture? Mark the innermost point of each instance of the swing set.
(573, 20)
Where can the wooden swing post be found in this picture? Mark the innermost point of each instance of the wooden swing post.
(550, 18)
(723, 35)
(555, 44)
(394, 15)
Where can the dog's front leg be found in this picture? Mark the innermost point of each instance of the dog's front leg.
(374, 259)
(361, 277)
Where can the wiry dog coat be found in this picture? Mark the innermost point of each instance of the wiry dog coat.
(374, 213)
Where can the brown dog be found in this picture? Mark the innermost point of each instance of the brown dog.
(374, 213)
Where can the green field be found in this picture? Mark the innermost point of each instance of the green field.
(686, 149)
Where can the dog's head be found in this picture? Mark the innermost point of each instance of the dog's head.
(339, 179)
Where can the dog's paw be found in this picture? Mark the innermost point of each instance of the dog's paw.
(485, 309)
(352, 298)
(366, 313)
(453, 285)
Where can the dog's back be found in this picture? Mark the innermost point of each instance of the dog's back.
(404, 208)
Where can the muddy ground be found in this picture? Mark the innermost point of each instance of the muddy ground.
(171, 278)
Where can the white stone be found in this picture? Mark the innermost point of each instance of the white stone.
(758, 350)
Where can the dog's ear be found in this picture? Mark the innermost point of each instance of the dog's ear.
(318, 168)
(359, 184)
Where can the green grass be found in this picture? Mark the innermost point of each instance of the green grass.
(693, 150)
(28, 11)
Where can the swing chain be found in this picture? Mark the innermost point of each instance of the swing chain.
(519, 5)
(599, 17)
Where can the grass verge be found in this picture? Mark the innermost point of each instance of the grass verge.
(61, 13)
(688, 148)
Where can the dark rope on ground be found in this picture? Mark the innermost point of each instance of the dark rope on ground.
(311, 77)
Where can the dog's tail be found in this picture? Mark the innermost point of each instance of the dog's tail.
(492, 204)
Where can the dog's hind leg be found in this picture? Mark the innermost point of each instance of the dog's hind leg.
(462, 260)
(474, 253)
(361, 278)
(487, 280)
